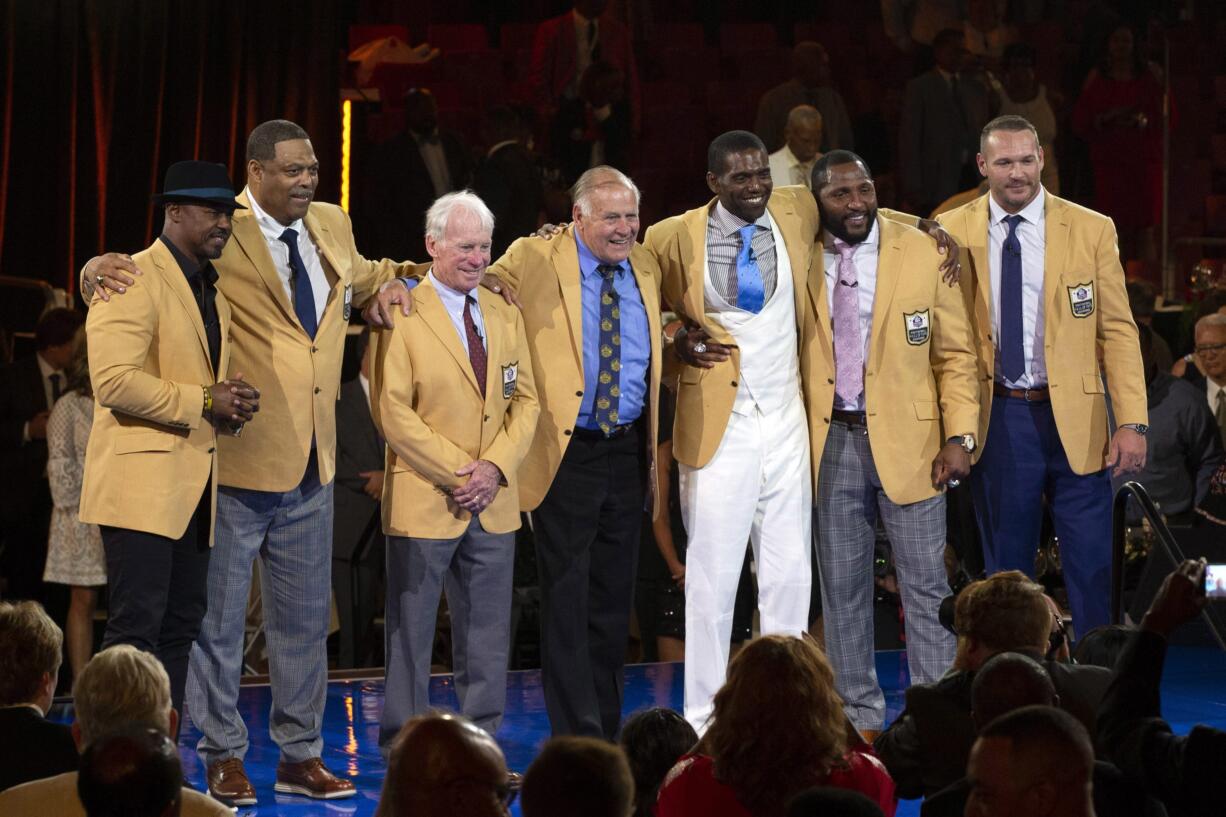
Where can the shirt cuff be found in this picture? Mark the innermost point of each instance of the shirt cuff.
(409, 283)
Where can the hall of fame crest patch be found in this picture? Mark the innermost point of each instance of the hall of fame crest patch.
(918, 327)
(1081, 299)
(510, 377)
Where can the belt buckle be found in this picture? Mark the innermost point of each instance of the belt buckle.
(1029, 399)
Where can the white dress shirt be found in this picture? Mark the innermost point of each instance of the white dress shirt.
(787, 169)
(1032, 235)
(435, 159)
(865, 260)
(272, 229)
(1212, 390)
(454, 302)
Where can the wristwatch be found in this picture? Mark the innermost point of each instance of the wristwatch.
(1140, 428)
(967, 441)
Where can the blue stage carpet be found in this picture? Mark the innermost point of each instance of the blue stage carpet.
(1193, 691)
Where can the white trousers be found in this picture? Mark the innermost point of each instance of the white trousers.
(756, 489)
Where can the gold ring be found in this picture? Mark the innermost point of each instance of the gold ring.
(98, 278)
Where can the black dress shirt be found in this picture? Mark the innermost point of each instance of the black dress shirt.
(202, 280)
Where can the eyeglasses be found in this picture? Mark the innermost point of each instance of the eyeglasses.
(1212, 349)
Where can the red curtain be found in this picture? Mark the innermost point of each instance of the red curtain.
(100, 96)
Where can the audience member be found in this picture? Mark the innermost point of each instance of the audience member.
(943, 112)
(828, 802)
(593, 128)
(810, 85)
(74, 548)
(575, 775)
(1101, 646)
(911, 23)
(988, 36)
(507, 179)
(1142, 301)
(29, 388)
(119, 689)
(32, 746)
(1009, 682)
(405, 175)
(777, 729)
(1023, 95)
(441, 765)
(926, 747)
(132, 773)
(1034, 762)
(1185, 772)
(1210, 369)
(1119, 113)
(565, 46)
(357, 531)
(654, 740)
(793, 163)
(1184, 445)
(457, 425)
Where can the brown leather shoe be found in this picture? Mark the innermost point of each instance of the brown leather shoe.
(228, 783)
(312, 778)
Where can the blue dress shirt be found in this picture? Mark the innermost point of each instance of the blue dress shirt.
(635, 345)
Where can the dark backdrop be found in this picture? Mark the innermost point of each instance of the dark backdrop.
(98, 97)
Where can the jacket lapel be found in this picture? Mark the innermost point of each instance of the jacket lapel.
(323, 241)
(781, 211)
(430, 308)
(566, 265)
(494, 341)
(889, 267)
(177, 281)
(247, 236)
(1056, 236)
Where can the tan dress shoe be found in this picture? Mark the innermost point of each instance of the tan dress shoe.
(311, 778)
(228, 783)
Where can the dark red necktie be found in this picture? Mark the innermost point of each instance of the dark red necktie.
(476, 347)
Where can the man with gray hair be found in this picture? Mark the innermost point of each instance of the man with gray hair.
(591, 304)
(1210, 351)
(121, 687)
(793, 163)
(452, 394)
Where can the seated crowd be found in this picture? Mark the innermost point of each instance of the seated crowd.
(1012, 729)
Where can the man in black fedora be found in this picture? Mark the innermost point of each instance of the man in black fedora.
(158, 361)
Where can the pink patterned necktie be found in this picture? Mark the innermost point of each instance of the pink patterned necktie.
(848, 345)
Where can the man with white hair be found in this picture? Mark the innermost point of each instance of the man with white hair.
(1211, 355)
(452, 394)
(119, 688)
(591, 306)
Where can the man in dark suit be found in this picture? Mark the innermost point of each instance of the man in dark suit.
(357, 536)
(29, 388)
(943, 112)
(407, 173)
(32, 746)
(507, 179)
(927, 747)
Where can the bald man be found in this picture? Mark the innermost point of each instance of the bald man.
(1009, 681)
(442, 765)
(802, 140)
(1034, 762)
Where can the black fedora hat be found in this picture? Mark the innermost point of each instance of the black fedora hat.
(204, 182)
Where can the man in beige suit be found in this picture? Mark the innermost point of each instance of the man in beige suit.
(592, 313)
(155, 359)
(895, 425)
(453, 396)
(291, 275)
(1046, 294)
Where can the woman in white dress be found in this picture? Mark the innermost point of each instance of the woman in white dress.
(74, 550)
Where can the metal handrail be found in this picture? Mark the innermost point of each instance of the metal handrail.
(1162, 535)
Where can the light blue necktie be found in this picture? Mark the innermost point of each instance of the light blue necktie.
(750, 294)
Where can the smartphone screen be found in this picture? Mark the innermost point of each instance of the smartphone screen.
(1215, 581)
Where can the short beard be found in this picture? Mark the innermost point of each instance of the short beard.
(835, 227)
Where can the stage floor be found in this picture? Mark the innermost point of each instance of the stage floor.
(1193, 691)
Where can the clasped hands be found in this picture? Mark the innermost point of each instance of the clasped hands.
(234, 402)
(484, 480)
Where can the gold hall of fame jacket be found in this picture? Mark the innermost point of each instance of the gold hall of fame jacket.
(151, 452)
(1085, 309)
(427, 404)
